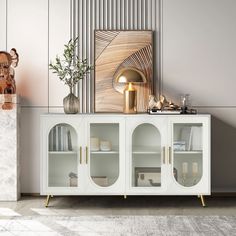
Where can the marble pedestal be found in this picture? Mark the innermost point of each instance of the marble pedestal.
(9, 160)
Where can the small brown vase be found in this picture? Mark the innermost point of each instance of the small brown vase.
(71, 104)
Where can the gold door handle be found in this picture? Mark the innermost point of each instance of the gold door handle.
(164, 155)
(169, 155)
(80, 154)
(86, 155)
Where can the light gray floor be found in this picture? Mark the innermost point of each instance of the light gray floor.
(117, 205)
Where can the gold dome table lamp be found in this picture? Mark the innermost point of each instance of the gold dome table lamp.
(130, 76)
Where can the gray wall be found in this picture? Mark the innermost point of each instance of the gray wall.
(197, 57)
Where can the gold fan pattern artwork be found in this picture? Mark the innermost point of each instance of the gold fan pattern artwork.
(114, 51)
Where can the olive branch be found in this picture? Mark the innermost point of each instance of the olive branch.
(70, 68)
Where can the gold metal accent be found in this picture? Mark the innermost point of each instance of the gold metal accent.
(169, 151)
(130, 75)
(202, 200)
(125, 196)
(47, 200)
(80, 154)
(164, 155)
(167, 156)
(86, 155)
(130, 99)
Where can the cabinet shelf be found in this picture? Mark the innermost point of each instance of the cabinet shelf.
(62, 153)
(145, 150)
(187, 152)
(104, 152)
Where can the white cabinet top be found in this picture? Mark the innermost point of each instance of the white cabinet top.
(125, 115)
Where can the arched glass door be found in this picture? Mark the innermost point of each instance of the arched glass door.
(187, 145)
(146, 156)
(62, 156)
(104, 153)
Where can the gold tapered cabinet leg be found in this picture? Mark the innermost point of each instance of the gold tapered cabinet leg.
(125, 196)
(202, 200)
(47, 200)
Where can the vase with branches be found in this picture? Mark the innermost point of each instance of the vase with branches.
(70, 69)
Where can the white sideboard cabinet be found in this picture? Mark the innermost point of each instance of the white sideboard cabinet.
(116, 154)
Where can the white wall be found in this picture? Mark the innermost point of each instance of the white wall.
(198, 56)
(3, 24)
(38, 30)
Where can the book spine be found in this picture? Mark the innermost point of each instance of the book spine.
(62, 138)
(65, 139)
(50, 144)
(54, 138)
(57, 140)
(69, 141)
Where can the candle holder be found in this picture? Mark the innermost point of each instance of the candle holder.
(184, 178)
(195, 172)
(184, 103)
(194, 178)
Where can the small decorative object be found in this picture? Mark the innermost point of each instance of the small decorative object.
(185, 105)
(152, 104)
(195, 172)
(130, 76)
(179, 145)
(185, 136)
(73, 179)
(147, 176)
(94, 144)
(116, 51)
(196, 138)
(7, 81)
(100, 180)
(105, 145)
(162, 106)
(70, 70)
(184, 172)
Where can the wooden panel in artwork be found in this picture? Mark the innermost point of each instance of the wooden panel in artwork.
(115, 50)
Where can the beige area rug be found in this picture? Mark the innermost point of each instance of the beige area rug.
(117, 225)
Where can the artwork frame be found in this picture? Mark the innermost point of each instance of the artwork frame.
(151, 170)
(108, 97)
(148, 170)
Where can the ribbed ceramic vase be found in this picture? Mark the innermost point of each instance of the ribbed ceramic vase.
(71, 104)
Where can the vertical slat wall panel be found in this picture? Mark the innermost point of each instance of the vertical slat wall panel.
(90, 15)
(3, 25)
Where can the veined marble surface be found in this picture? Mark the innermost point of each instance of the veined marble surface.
(9, 161)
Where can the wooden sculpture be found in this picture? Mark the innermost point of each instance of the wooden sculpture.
(8, 61)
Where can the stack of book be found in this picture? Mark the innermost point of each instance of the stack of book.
(60, 138)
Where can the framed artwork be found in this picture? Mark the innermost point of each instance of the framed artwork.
(148, 176)
(114, 51)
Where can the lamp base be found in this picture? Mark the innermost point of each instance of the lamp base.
(130, 101)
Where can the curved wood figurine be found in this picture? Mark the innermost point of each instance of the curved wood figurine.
(161, 104)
